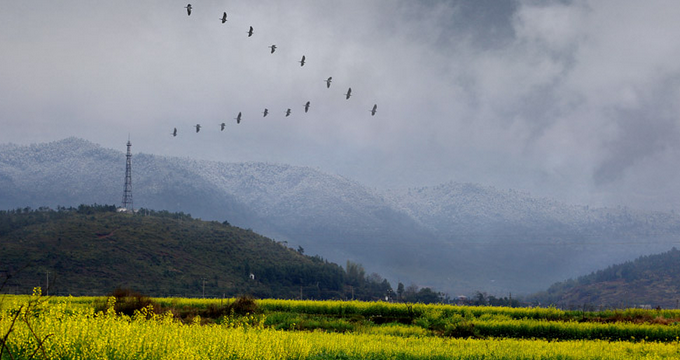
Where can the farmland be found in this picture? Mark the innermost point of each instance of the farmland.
(169, 328)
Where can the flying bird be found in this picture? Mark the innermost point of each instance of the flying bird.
(349, 93)
(174, 132)
(238, 118)
(273, 47)
(287, 112)
(302, 62)
(222, 125)
(198, 127)
(375, 108)
(265, 112)
(250, 32)
(224, 17)
(188, 7)
(307, 106)
(328, 82)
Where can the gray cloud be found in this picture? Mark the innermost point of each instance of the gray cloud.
(576, 100)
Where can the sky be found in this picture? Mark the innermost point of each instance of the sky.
(573, 100)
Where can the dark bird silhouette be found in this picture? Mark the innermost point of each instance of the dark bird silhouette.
(348, 94)
(174, 132)
(224, 17)
(307, 106)
(198, 127)
(302, 62)
(375, 108)
(273, 47)
(287, 112)
(222, 125)
(328, 82)
(238, 118)
(250, 32)
(265, 112)
(188, 7)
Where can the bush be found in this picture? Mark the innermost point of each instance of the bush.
(127, 302)
(243, 305)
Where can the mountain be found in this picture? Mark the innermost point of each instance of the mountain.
(453, 237)
(652, 280)
(91, 250)
(541, 237)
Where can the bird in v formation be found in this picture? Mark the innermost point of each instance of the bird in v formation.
(273, 48)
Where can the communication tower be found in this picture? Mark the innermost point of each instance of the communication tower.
(127, 192)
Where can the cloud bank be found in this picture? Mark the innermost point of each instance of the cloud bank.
(576, 100)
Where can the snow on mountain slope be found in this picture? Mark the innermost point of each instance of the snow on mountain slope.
(460, 209)
(455, 237)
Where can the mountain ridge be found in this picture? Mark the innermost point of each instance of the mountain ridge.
(454, 236)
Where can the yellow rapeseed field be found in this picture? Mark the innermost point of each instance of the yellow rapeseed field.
(73, 331)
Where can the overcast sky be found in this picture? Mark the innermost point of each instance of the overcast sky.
(575, 100)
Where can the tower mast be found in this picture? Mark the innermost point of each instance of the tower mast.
(127, 192)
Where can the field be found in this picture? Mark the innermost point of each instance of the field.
(174, 328)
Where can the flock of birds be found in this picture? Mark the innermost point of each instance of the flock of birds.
(272, 48)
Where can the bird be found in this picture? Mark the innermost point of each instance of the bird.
(328, 82)
(224, 17)
(174, 132)
(287, 112)
(273, 47)
(349, 93)
(302, 62)
(238, 118)
(222, 125)
(198, 127)
(188, 7)
(250, 32)
(265, 112)
(375, 108)
(307, 106)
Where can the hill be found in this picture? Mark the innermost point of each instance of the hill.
(652, 280)
(454, 237)
(91, 250)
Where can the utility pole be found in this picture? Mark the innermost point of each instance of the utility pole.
(204, 288)
(47, 289)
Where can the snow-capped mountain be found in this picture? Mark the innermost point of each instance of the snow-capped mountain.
(454, 237)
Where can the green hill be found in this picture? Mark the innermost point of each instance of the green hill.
(652, 280)
(91, 250)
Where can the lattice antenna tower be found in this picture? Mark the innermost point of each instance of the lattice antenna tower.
(127, 192)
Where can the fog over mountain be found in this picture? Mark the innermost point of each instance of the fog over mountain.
(573, 100)
(454, 237)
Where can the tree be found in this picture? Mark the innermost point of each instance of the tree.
(480, 299)
(355, 274)
(427, 296)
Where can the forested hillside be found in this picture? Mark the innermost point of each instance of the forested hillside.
(91, 250)
(652, 280)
